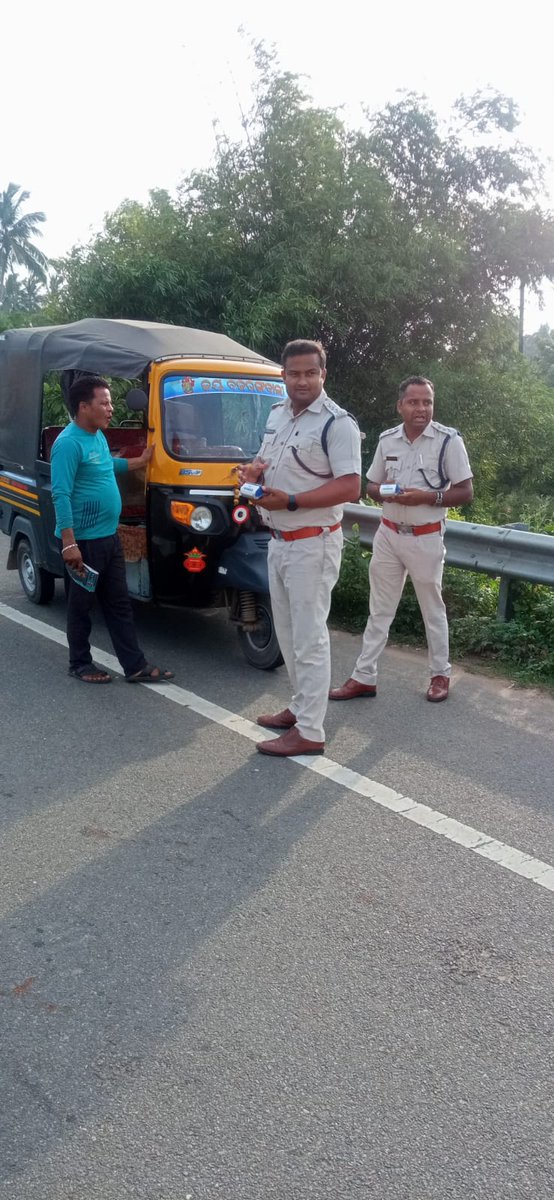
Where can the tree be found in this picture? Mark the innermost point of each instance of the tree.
(12, 294)
(539, 349)
(16, 231)
(23, 294)
(395, 243)
(399, 239)
(140, 267)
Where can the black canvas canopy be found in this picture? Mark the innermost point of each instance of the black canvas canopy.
(122, 349)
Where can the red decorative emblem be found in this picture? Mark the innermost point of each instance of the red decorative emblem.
(194, 561)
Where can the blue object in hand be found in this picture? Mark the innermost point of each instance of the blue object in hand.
(88, 580)
(251, 491)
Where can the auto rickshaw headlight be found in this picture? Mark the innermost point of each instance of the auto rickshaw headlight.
(201, 519)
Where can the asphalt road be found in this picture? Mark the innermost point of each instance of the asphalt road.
(223, 976)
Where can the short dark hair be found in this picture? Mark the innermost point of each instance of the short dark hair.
(82, 391)
(302, 346)
(420, 380)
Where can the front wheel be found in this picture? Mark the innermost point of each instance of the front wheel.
(37, 583)
(260, 646)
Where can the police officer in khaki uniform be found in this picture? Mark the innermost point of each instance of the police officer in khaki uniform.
(310, 465)
(429, 463)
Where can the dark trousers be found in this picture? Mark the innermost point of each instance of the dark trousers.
(105, 556)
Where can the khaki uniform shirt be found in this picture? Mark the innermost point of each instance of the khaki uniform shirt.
(298, 463)
(397, 460)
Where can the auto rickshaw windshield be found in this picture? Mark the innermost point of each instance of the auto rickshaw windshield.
(207, 417)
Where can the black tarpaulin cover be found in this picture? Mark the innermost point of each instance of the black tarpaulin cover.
(122, 349)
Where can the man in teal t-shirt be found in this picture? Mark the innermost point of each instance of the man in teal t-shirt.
(87, 503)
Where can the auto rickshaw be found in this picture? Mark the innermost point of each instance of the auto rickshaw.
(188, 537)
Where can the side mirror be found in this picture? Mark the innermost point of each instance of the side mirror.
(137, 400)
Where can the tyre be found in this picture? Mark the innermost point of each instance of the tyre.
(37, 583)
(260, 646)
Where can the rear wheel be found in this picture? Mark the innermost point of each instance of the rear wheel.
(260, 646)
(37, 583)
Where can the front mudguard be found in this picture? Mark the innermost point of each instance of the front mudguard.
(244, 564)
(23, 527)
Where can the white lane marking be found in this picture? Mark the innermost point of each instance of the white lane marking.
(455, 831)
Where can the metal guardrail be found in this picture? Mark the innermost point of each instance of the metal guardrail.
(502, 551)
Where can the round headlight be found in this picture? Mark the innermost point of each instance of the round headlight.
(201, 519)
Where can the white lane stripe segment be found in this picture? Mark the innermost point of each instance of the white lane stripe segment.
(508, 857)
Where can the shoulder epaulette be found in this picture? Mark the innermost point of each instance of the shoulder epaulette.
(334, 408)
(386, 432)
(448, 429)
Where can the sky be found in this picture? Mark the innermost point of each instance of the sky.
(103, 101)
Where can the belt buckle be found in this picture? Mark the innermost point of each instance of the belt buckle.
(277, 534)
(406, 529)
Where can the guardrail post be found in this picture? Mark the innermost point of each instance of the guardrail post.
(505, 606)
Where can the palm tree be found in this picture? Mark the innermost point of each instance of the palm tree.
(22, 294)
(11, 300)
(16, 230)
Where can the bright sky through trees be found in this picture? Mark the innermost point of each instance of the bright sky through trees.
(111, 100)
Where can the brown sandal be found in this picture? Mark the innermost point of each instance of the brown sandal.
(90, 673)
(150, 674)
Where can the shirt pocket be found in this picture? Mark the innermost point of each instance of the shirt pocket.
(309, 456)
(393, 468)
(268, 446)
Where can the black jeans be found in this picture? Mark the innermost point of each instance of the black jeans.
(105, 556)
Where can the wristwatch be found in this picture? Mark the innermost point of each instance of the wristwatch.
(439, 499)
(292, 504)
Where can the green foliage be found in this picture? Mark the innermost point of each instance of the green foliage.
(17, 249)
(20, 318)
(139, 267)
(350, 596)
(524, 645)
(54, 411)
(22, 294)
(539, 349)
(539, 515)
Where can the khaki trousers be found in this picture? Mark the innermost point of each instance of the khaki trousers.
(302, 575)
(395, 556)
